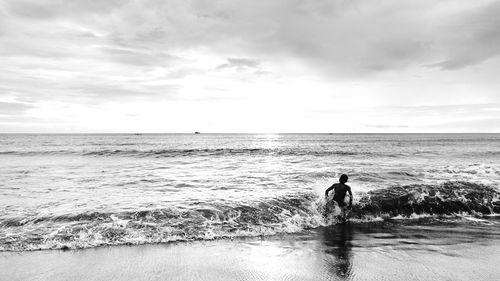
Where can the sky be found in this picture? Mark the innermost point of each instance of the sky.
(254, 66)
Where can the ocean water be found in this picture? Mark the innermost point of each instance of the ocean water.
(80, 191)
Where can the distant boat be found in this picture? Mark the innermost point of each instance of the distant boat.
(196, 133)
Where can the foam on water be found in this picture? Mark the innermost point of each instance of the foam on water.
(77, 191)
(295, 212)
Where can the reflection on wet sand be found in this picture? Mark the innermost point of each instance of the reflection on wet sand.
(338, 244)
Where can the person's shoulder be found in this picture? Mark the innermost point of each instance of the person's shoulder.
(348, 187)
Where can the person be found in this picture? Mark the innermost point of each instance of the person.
(340, 190)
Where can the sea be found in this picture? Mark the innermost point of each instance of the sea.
(73, 191)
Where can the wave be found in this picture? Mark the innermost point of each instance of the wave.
(157, 153)
(288, 214)
(445, 199)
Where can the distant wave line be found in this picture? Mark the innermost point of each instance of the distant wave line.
(157, 153)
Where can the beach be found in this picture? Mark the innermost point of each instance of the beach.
(378, 251)
(249, 140)
(248, 207)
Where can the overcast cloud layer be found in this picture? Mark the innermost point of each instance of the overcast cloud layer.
(249, 66)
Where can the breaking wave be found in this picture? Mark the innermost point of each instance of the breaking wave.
(289, 214)
(448, 198)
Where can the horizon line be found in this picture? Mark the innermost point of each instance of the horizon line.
(241, 133)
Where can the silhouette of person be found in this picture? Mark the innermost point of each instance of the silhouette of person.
(340, 190)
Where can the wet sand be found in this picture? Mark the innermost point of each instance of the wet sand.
(343, 252)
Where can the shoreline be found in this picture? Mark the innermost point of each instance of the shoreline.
(377, 223)
(354, 252)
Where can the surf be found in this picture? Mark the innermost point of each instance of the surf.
(292, 213)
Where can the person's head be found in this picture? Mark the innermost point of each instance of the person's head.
(343, 178)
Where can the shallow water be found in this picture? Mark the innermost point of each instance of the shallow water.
(79, 191)
(409, 250)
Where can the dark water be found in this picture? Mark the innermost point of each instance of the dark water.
(79, 191)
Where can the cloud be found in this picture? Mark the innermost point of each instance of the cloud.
(239, 63)
(19, 119)
(14, 108)
(139, 57)
(341, 38)
(98, 92)
(475, 38)
(384, 126)
(425, 109)
(472, 125)
(392, 55)
(463, 109)
(43, 10)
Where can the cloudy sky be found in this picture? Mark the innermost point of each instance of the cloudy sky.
(249, 66)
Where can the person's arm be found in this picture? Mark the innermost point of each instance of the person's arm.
(328, 190)
(350, 196)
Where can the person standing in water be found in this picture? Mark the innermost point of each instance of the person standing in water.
(340, 190)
